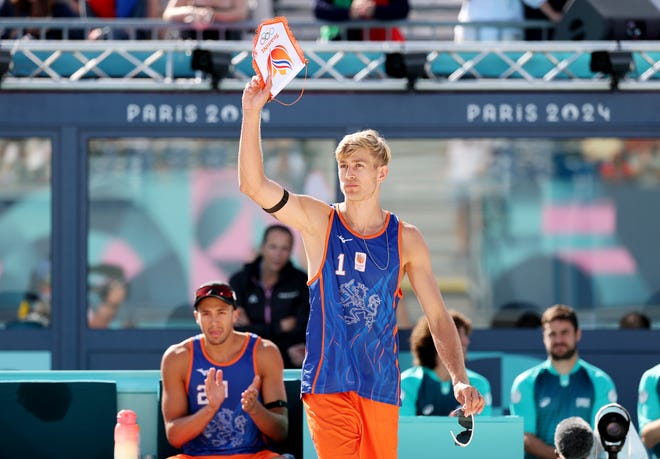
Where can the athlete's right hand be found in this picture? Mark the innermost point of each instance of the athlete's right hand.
(469, 397)
(254, 95)
(215, 388)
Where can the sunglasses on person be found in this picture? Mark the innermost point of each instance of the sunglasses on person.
(464, 438)
(215, 290)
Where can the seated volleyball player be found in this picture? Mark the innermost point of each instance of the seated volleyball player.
(223, 390)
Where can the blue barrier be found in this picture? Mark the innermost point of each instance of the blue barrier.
(136, 390)
(491, 65)
(57, 418)
(115, 65)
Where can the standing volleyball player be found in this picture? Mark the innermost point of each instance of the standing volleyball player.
(357, 254)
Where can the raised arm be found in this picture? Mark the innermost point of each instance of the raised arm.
(417, 265)
(252, 179)
(303, 213)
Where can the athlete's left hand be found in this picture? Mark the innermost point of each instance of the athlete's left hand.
(250, 396)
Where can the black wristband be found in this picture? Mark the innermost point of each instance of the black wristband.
(279, 205)
(276, 404)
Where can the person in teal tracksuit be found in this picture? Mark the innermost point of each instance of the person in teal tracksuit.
(648, 409)
(560, 387)
(426, 388)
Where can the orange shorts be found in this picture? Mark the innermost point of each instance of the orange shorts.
(265, 454)
(345, 425)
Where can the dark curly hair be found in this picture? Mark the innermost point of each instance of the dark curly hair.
(421, 340)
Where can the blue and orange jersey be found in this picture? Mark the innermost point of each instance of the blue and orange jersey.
(352, 334)
(232, 430)
(544, 397)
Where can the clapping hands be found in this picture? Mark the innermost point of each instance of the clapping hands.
(250, 396)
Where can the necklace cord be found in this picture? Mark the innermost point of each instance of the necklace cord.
(387, 264)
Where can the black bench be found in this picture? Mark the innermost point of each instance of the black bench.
(57, 419)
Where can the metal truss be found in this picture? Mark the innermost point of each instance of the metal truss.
(357, 66)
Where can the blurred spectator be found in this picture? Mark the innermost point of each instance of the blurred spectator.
(34, 310)
(361, 10)
(203, 14)
(648, 409)
(562, 386)
(273, 297)
(25, 161)
(574, 439)
(644, 155)
(125, 9)
(497, 11)
(599, 149)
(528, 319)
(262, 10)
(548, 10)
(517, 314)
(635, 319)
(108, 292)
(618, 168)
(488, 10)
(426, 388)
(36, 9)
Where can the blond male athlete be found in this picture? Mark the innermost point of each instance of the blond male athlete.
(357, 254)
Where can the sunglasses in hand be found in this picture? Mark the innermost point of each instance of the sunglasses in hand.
(467, 423)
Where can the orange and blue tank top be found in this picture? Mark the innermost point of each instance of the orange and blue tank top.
(232, 430)
(352, 334)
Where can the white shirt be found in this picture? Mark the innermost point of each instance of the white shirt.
(489, 10)
(492, 10)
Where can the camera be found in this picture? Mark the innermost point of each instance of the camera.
(613, 423)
